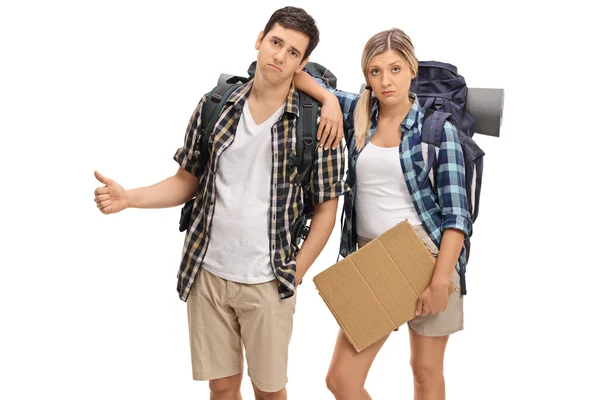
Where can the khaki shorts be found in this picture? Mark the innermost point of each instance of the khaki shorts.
(443, 323)
(223, 314)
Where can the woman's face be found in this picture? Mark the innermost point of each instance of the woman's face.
(389, 76)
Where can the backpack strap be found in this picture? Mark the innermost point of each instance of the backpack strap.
(211, 110)
(306, 143)
(431, 139)
(306, 133)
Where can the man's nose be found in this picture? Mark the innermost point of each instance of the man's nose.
(280, 55)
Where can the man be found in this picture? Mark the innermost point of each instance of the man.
(239, 271)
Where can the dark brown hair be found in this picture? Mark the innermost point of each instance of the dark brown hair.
(298, 20)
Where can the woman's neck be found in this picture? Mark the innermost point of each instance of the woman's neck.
(396, 111)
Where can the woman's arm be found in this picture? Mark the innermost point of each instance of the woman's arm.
(456, 220)
(337, 107)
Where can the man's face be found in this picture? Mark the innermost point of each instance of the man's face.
(280, 54)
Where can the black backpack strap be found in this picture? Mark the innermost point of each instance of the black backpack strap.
(306, 138)
(211, 110)
(306, 143)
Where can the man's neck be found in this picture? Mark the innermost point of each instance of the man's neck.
(264, 99)
(264, 93)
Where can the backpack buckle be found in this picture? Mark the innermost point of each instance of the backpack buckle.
(304, 232)
(438, 103)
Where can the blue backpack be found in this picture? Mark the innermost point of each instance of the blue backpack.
(442, 92)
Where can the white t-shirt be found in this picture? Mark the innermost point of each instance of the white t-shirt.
(238, 248)
(382, 197)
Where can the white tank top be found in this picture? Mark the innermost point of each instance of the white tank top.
(382, 197)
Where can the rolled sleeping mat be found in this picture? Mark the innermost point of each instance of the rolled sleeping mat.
(223, 78)
(486, 105)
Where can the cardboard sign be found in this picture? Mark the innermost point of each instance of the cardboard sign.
(375, 289)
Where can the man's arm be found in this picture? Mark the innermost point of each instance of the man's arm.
(326, 186)
(173, 191)
(170, 192)
(321, 226)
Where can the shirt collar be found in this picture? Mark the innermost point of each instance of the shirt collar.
(413, 114)
(409, 120)
(240, 95)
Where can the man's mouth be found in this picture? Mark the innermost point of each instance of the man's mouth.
(275, 67)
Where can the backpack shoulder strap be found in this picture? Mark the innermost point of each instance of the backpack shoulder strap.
(431, 139)
(211, 110)
(306, 137)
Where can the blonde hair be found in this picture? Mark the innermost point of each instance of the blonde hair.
(392, 39)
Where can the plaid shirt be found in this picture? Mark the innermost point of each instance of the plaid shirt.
(438, 210)
(286, 195)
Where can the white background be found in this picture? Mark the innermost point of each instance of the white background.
(88, 306)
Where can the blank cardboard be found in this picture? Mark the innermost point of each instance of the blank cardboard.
(375, 289)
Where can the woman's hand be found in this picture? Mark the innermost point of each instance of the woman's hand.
(433, 300)
(331, 125)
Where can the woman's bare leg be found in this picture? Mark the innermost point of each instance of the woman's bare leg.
(427, 362)
(348, 369)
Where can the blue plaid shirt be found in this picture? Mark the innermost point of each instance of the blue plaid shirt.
(438, 210)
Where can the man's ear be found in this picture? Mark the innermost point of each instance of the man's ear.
(258, 40)
(302, 64)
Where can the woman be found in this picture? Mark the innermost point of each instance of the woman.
(387, 174)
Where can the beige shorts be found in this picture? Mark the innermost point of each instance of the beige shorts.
(223, 314)
(443, 323)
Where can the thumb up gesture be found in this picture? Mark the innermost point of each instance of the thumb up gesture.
(109, 198)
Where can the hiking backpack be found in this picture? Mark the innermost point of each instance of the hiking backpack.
(442, 92)
(306, 140)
